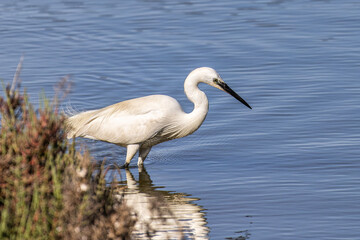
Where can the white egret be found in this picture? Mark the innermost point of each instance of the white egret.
(140, 123)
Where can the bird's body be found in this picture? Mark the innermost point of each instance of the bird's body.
(140, 123)
(146, 119)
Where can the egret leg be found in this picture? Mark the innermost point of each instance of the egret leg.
(130, 152)
(143, 152)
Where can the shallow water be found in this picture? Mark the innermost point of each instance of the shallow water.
(288, 169)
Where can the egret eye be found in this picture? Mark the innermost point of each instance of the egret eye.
(216, 80)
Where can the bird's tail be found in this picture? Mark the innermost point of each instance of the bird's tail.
(77, 125)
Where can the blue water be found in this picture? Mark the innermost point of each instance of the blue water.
(288, 169)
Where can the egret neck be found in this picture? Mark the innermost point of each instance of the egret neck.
(194, 119)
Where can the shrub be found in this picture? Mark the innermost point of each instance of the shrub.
(48, 190)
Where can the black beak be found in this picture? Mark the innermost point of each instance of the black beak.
(232, 93)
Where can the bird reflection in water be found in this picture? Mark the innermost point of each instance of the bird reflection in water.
(168, 215)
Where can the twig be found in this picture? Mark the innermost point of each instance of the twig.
(17, 75)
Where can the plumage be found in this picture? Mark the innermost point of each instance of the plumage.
(141, 123)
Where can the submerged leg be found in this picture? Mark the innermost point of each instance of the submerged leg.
(143, 152)
(130, 152)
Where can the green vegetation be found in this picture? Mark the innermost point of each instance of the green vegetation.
(48, 190)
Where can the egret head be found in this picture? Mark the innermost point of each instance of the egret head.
(210, 76)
